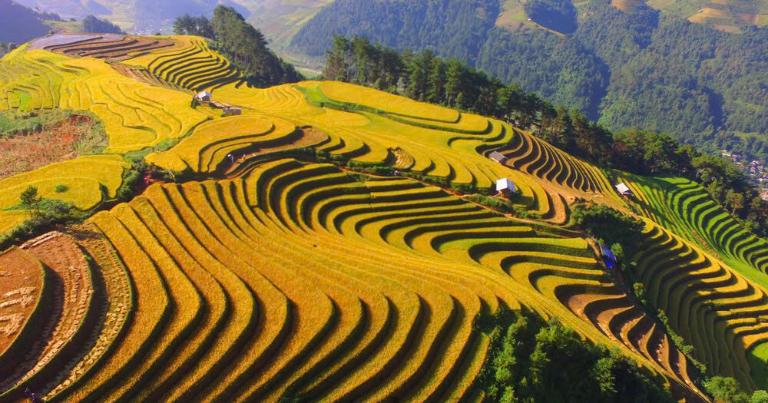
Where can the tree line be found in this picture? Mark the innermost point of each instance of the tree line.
(426, 77)
(244, 46)
(96, 25)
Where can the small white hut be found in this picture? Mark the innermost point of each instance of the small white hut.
(624, 190)
(203, 96)
(505, 187)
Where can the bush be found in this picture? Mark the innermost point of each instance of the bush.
(61, 188)
(725, 390)
(46, 213)
(760, 396)
(609, 225)
(530, 360)
(492, 202)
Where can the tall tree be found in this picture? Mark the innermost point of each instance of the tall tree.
(337, 60)
(436, 82)
(247, 48)
(93, 24)
(189, 25)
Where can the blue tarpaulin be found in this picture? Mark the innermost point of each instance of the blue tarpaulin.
(608, 257)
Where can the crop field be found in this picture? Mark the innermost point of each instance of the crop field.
(687, 209)
(721, 265)
(190, 64)
(108, 47)
(131, 112)
(333, 242)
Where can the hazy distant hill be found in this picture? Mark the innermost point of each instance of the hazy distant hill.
(19, 24)
(281, 19)
(278, 19)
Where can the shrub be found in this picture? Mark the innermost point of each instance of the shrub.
(530, 360)
(60, 188)
(492, 202)
(46, 213)
(725, 390)
(639, 290)
(607, 224)
(760, 396)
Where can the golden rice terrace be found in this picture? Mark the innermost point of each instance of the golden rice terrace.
(323, 244)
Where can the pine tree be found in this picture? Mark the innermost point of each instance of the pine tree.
(436, 82)
(453, 83)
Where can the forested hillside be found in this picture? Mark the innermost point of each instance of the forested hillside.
(19, 24)
(626, 69)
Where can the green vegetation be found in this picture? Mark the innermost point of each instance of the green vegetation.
(93, 24)
(45, 214)
(189, 25)
(758, 361)
(91, 137)
(609, 225)
(244, 46)
(532, 361)
(727, 390)
(13, 122)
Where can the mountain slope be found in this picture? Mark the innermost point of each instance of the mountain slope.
(19, 24)
(335, 242)
(700, 85)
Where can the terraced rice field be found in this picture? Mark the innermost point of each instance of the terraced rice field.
(209, 146)
(135, 115)
(718, 265)
(109, 47)
(356, 321)
(190, 65)
(284, 271)
(686, 208)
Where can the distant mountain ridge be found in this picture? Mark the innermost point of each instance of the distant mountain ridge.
(19, 24)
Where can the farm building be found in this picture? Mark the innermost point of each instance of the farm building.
(203, 96)
(498, 157)
(624, 190)
(232, 111)
(505, 187)
(228, 110)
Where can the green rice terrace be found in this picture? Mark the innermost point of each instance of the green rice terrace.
(326, 241)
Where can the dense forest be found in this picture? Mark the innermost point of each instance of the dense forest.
(243, 44)
(427, 77)
(640, 69)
